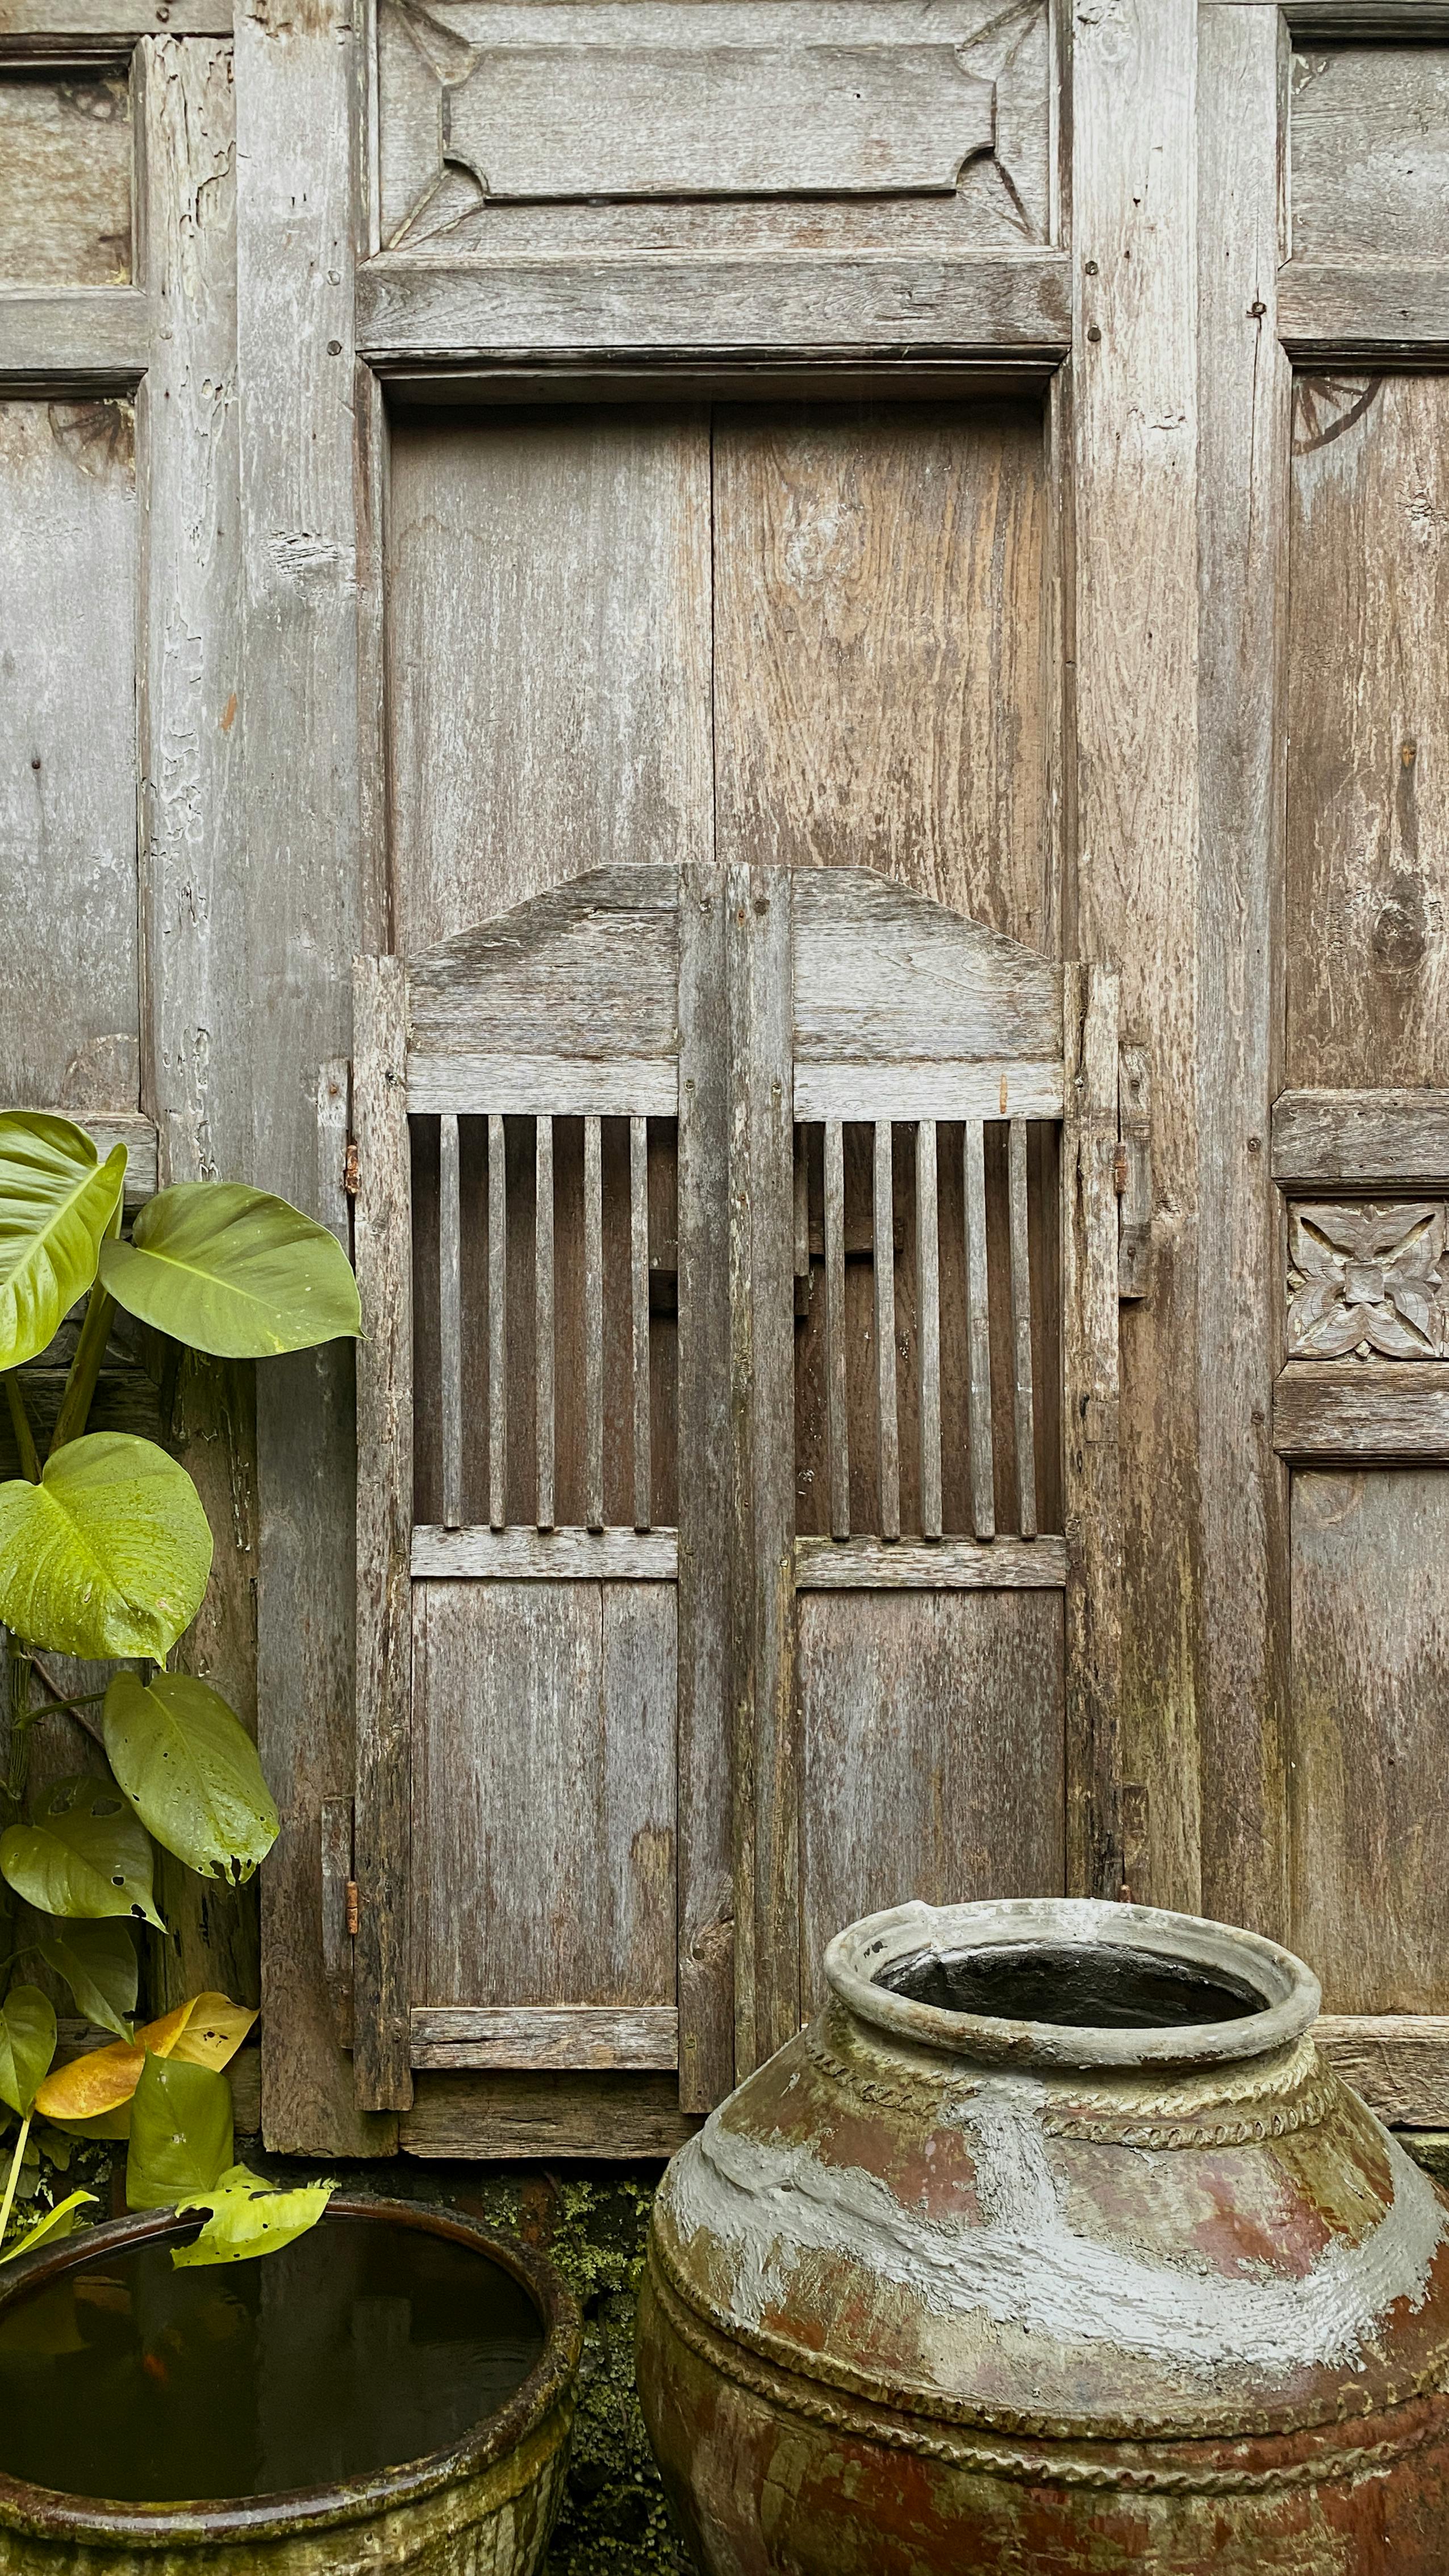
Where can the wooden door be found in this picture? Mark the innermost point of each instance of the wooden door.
(680, 1193)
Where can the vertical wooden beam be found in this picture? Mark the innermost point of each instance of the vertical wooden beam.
(593, 1324)
(706, 1899)
(497, 1324)
(1134, 401)
(1023, 1391)
(928, 1325)
(543, 1321)
(1245, 391)
(383, 1256)
(1090, 1408)
(980, 1448)
(450, 1317)
(883, 1263)
(762, 1405)
(639, 1315)
(296, 73)
(837, 1413)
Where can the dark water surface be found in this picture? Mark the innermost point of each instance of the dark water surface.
(357, 2348)
(1100, 1988)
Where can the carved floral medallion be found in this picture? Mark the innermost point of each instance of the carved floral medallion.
(1368, 1278)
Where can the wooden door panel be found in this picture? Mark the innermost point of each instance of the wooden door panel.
(932, 1730)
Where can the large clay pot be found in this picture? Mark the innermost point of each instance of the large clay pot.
(952, 2289)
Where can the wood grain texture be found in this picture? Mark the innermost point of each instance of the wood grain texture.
(73, 340)
(1245, 396)
(543, 1794)
(871, 1093)
(1370, 1673)
(1368, 1409)
(69, 569)
(1362, 313)
(1362, 1140)
(66, 153)
(1091, 1408)
(544, 1556)
(592, 530)
(878, 648)
(523, 1084)
(1399, 2062)
(932, 1753)
(884, 977)
(1369, 147)
(1134, 642)
(1023, 1371)
(1368, 762)
(75, 24)
(547, 2117)
(545, 2035)
(883, 1279)
(942, 1565)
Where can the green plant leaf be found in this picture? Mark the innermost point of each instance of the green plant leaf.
(57, 1201)
(83, 1853)
(181, 2139)
(248, 2218)
(27, 2045)
(108, 1555)
(191, 1772)
(60, 2221)
(233, 1271)
(98, 1963)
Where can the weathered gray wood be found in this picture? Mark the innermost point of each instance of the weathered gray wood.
(553, 2117)
(338, 1898)
(902, 1091)
(928, 1326)
(1399, 2062)
(543, 1794)
(69, 550)
(383, 1255)
(68, 341)
(1357, 314)
(1370, 1803)
(1244, 392)
(1090, 1410)
(1362, 1409)
(545, 1556)
(932, 1752)
(707, 1907)
(423, 309)
(639, 1315)
(570, 1087)
(66, 156)
(545, 2035)
(835, 1378)
(543, 1323)
(940, 1565)
(885, 978)
(450, 1318)
(1023, 1393)
(1134, 1129)
(593, 1326)
(1362, 1140)
(1369, 147)
(77, 23)
(497, 1324)
(979, 1444)
(883, 1267)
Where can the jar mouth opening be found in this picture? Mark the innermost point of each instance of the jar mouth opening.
(1070, 1982)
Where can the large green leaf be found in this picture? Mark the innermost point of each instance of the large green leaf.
(233, 1271)
(27, 2045)
(57, 1200)
(57, 2222)
(108, 1555)
(191, 1772)
(83, 1853)
(250, 2217)
(181, 2141)
(98, 1962)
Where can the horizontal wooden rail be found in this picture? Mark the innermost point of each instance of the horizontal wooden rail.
(557, 1086)
(1362, 1409)
(1331, 309)
(544, 2035)
(860, 1093)
(934, 1565)
(545, 1556)
(74, 337)
(1361, 1140)
(1399, 2062)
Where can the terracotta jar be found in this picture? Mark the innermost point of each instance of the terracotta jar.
(1052, 2245)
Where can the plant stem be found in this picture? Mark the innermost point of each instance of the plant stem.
(85, 1368)
(20, 1423)
(72, 1707)
(9, 2200)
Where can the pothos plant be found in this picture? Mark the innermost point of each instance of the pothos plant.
(105, 1555)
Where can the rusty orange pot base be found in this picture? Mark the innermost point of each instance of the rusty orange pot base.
(1098, 1989)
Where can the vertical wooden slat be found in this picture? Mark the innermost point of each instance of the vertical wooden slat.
(384, 1532)
(802, 1203)
(1021, 1334)
(1090, 1401)
(928, 1326)
(639, 1314)
(450, 1319)
(888, 1438)
(543, 1357)
(593, 1325)
(979, 1449)
(837, 1415)
(706, 1899)
(497, 1324)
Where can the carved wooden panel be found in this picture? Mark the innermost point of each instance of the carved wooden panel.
(1368, 1279)
(633, 124)
(65, 179)
(1369, 131)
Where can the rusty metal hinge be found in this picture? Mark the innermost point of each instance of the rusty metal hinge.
(354, 1910)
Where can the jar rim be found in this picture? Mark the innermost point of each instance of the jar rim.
(858, 1956)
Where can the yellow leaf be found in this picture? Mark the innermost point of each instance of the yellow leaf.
(104, 2078)
(214, 2033)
